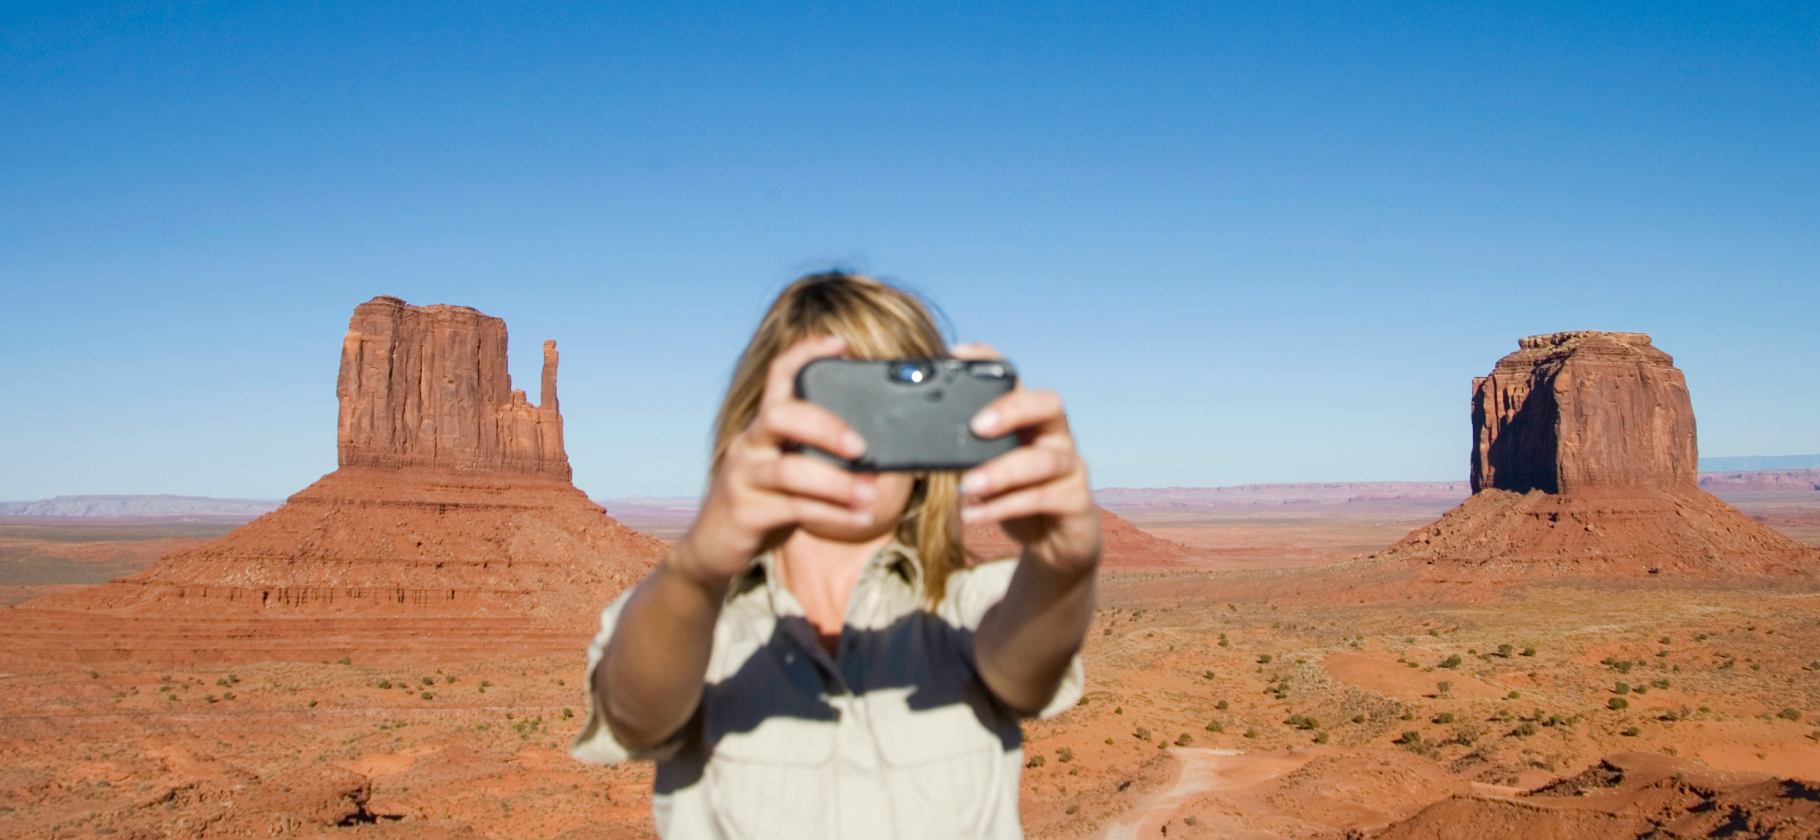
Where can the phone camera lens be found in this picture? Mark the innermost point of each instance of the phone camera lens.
(910, 372)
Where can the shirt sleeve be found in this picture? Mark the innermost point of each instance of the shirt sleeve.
(596, 743)
(975, 591)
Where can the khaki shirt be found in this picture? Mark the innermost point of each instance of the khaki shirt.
(895, 736)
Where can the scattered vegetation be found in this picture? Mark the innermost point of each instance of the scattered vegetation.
(1452, 661)
(1617, 704)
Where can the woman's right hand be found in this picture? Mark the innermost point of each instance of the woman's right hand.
(763, 490)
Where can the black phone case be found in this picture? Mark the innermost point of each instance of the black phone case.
(910, 423)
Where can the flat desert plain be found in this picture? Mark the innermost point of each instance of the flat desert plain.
(1226, 698)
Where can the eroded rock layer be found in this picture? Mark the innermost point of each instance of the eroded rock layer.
(1583, 409)
(426, 386)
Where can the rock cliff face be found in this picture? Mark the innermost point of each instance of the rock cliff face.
(426, 386)
(1585, 463)
(451, 526)
(1574, 410)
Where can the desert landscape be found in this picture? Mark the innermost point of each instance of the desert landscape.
(1586, 638)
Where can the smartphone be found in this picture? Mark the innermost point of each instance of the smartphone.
(913, 413)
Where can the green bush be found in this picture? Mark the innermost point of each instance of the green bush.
(1514, 695)
(1632, 732)
(385, 683)
(1524, 729)
(1409, 737)
(1215, 726)
(427, 696)
(1358, 718)
(345, 660)
(1303, 722)
(1505, 650)
(1444, 687)
(1789, 714)
(1183, 740)
(1263, 659)
(1035, 761)
(1621, 688)
(1142, 734)
(1064, 755)
(1529, 651)
(1451, 661)
(1208, 675)
(1320, 737)
(1222, 705)
(1617, 704)
(1251, 732)
(567, 713)
(1444, 717)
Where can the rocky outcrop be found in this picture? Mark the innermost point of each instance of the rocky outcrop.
(1583, 409)
(450, 527)
(1585, 463)
(427, 386)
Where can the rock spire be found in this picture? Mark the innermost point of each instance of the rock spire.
(427, 386)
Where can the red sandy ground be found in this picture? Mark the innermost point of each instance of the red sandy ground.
(323, 748)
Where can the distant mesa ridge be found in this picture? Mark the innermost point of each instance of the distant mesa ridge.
(142, 505)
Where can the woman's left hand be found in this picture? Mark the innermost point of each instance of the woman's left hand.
(1038, 492)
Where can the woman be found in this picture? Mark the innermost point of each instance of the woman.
(815, 658)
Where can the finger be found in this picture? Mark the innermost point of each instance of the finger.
(780, 378)
(1044, 500)
(976, 352)
(806, 477)
(1020, 410)
(1021, 467)
(772, 511)
(809, 424)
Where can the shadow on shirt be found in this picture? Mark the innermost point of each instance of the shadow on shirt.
(789, 676)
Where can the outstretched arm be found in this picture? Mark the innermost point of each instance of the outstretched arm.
(649, 679)
(1039, 493)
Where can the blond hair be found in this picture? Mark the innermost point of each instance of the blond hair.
(879, 321)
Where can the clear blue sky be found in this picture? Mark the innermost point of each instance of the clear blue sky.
(1250, 242)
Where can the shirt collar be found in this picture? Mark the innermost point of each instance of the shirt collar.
(894, 558)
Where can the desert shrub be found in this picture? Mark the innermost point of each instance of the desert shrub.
(1142, 734)
(1108, 740)
(1434, 632)
(567, 713)
(1621, 688)
(427, 696)
(1444, 717)
(1358, 718)
(385, 683)
(1183, 740)
(1303, 722)
(1641, 689)
(1789, 714)
(1264, 659)
(1514, 695)
(1451, 661)
(1661, 683)
(345, 660)
(1035, 761)
(1444, 687)
(1756, 666)
(1064, 755)
(1632, 732)
(1729, 665)
(450, 679)
(1529, 651)
(1222, 705)
(1118, 710)
(1224, 642)
(1409, 737)
(428, 680)
(1208, 675)
(312, 704)
(210, 698)
(1505, 650)
(1524, 729)
(1215, 726)
(481, 727)
(1251, 732)
(1617, 704)
(227, 695)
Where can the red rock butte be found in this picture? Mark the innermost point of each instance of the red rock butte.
(451, 527)
(1585, 461)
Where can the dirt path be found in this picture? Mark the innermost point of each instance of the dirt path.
(1202, 771)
